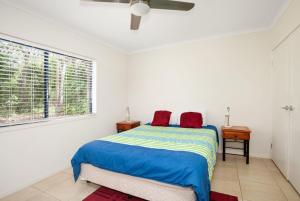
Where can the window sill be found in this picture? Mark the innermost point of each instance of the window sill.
(45, 122)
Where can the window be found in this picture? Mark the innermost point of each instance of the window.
(38, 84)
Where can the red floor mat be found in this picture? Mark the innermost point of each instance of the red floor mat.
(214, 196)
(106, 194)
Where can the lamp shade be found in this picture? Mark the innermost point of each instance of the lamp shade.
(140, 8)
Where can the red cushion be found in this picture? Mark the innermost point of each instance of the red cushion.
(191, 120)
(161, 118)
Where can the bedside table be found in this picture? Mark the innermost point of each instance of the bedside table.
(239, 134)
(127, 125)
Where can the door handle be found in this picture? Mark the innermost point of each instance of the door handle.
(288, 108)
(285, 107)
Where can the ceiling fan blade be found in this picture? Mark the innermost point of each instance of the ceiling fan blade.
(171, 5)
(135, 22)
(108, 1)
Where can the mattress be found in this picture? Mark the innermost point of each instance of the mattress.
(136, 186)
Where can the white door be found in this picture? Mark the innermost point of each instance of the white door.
(281, 114)
(294, 160)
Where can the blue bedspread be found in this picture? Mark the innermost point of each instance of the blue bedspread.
(182, 168)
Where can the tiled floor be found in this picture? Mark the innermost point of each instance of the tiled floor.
(258, 181)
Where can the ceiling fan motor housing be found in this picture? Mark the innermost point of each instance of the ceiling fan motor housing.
(140, 7)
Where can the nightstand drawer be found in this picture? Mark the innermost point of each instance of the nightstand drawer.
(236, 135)
(127, 125)
(124, 127)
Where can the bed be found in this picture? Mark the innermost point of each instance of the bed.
(154, 163)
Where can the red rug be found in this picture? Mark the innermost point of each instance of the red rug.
(106, 194)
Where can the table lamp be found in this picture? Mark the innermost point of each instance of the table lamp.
(227, 118)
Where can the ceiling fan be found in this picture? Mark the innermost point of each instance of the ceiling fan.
(141, 8)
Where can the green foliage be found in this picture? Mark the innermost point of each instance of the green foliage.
(22, 84)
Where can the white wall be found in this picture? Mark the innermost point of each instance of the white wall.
(289, 20)
(28, 154)
(212, 74)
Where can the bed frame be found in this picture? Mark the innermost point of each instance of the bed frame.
(136, 186)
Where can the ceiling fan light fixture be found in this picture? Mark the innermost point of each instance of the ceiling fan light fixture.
(140, 8)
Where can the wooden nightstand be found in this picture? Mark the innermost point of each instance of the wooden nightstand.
(240, 134)
(127, 125)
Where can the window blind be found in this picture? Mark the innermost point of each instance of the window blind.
(39, 84)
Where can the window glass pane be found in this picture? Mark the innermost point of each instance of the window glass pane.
(21, 84)
(69, 86)
(37, 83)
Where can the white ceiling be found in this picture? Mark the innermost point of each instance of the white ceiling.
(110, 22)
